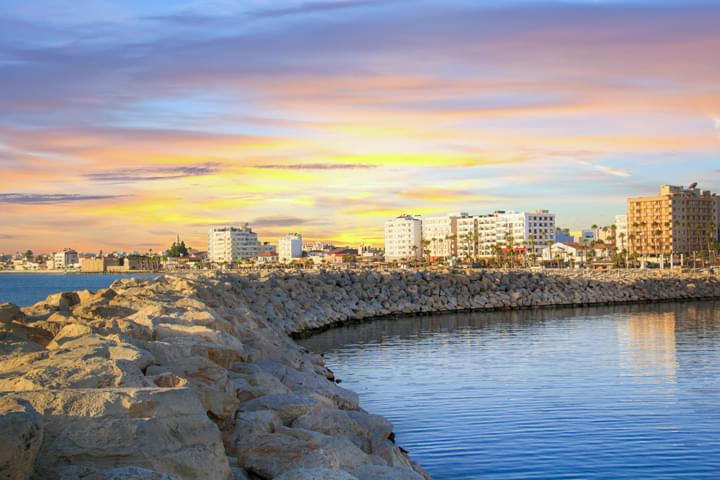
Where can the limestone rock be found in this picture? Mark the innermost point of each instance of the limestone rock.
(270, 455)
(21, 434)
(162, 430)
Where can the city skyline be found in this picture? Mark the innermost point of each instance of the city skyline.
(123, 125)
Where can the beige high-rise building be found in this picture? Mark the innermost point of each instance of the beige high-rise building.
(678, 221)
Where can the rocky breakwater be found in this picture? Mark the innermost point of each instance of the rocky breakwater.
(198, 377)
(176, 378)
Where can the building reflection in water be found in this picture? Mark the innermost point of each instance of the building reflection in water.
(647, 346)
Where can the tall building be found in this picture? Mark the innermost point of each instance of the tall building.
(289, 247)
(621, 232)
(65, 259)
(227, 244)
(403, 238)
(678, 221)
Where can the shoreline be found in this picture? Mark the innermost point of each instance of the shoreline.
(209, 360)
(393, 316)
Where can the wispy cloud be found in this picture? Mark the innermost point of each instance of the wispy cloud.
(50, 198)
(153, 173)
(611, 171)
(280, 221)
(317, 166)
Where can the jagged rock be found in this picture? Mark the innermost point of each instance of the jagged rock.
(21, 434)
(316, 474)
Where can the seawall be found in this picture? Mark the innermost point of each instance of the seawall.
(197, 376)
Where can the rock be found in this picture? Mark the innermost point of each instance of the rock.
(122, 473)
(377, 472)
(288, 406)
(270, 455)
(21, 434)
(62, 301)
(208, 380)
(315, 474)
(162, 430)
(9, 313)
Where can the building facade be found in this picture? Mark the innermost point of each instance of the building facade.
(678, 221)
(403, 238)
(68, 258)
(529, 231)
(228, 244)
(440, 234)
(290, 247)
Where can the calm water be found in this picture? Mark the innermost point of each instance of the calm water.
(27, 288)
(611, 393)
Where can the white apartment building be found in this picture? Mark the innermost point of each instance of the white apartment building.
(289, 247)
(621, 232)
(403, 238)
(527, 230)
(440, 235)
(227, 244)
(68, 258)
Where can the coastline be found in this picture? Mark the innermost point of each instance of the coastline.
(208, 359)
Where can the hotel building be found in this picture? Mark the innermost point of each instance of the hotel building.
(678, 221)
(227, 244)
(403, 238)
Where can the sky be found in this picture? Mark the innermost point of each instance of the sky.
(125, 123)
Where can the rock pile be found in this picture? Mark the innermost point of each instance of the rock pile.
(197, 376)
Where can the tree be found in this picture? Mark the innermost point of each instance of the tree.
(178, 249)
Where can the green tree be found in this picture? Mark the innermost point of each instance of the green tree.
(178, 249)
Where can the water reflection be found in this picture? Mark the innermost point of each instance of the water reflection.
(647, 345)
(597, 393)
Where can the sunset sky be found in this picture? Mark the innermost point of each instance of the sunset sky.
(124, 123)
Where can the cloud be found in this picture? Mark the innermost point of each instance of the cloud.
(5, 236)
(122, 175)
(315, 7)
(50, 198)
(613, 172)
(279, 221)
(317, 166)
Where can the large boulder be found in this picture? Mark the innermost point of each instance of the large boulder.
(273, 454)
(161, 430)
(21, 434)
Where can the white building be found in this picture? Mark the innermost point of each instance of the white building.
(68, 258)
(227, 244)
(440, 234)
(621, 232)
(527, 230)
(403, 238)
(289, 247)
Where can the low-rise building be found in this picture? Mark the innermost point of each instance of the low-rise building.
(267, 257)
